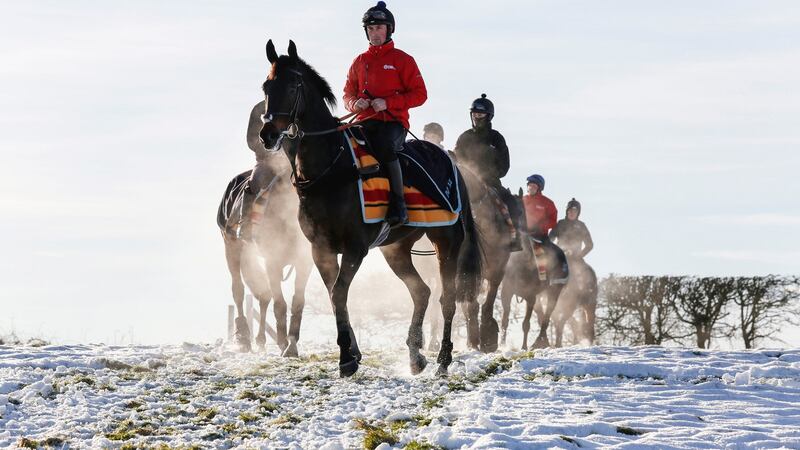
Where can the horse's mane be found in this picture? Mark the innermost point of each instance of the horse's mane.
(310, 75)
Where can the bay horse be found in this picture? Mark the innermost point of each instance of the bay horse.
(496, 245)
(279, 241)
(579, 295)
(522, 279)
(298, 121)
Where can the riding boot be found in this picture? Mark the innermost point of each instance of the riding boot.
(396, 214)
(245, 220)
(516, 219)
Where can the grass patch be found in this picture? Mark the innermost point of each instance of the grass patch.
(134, 404)
(27, 443)
(629, 431)
(287, 421)
(229, 427)
(417, 445)
(570, 440)
(433, 402)
(206, 414)
(421, 420)
(247, 417)
(375, 434)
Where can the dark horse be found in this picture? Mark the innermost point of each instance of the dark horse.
(279, 241)
(496, 244)
(299, 121)
(522, 279)
(580, 294)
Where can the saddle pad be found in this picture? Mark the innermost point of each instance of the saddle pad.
(423, 210)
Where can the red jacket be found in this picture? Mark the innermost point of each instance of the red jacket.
(541, 214)
(387, 73)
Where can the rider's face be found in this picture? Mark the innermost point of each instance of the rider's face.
(572, 213)
(533, 188)
(479, 119)
(377, 34)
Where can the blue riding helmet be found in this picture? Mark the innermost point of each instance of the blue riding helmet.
(538, 180)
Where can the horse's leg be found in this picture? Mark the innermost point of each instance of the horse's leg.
(472, 316)
(233, 256)
(488, 327)
(256, 279)
(302, 272)
(526, 322)
(398, 256)
(590, 309)
(275, 275)
(505, 299)
(349, 355)
(577, 327)
(559, 321)
(538, 308)
(551, 294)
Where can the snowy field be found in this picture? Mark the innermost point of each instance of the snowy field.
(208, 396)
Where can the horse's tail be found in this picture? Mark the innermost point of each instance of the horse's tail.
(470, 265)
(234, 189)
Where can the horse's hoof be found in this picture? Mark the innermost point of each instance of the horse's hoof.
(441, 371)
(541, 343)
(418, 364)
(348, 369)
(290, 351)
(244, 347)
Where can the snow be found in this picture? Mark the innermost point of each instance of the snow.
(99, 396)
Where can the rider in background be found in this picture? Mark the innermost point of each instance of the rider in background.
(571, 234)
(434, 133)
(483, 150)
(383, 83)
(540, 211)
(264, 171)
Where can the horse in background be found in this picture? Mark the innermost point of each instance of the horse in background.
(579, 295)
(279, 241)
(495, 236)
(299, 121)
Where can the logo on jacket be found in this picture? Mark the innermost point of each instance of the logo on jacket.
(389, 67)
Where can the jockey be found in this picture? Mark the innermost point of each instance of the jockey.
(540, 211)
(265, 170)
(434, 133)
(383, 83)
(483, 150)
(572, 235)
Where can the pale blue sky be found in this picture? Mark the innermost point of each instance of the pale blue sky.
(674, 123)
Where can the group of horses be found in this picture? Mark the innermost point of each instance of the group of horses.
(311, 215)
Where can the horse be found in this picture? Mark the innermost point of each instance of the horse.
(299, 122)
(496, 238)
(580, 294)
(522, 279)
(279, 241)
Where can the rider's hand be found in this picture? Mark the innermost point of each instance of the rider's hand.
(379, 104)
(361, 104)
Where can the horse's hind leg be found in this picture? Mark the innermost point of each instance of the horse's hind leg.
(275, 275)
(302, 272)
(488, 328)
(233, 250)
(551, 294)
(505, 299)
(472, 314)
(398, 256)
(526, 322)
(256, 279)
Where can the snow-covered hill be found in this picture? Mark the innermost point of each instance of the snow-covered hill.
(96, 396)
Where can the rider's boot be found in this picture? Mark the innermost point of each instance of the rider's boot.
(397, 214)
(246, 220)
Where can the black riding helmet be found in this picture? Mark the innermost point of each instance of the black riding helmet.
(574, 204)
(377, 15)
(483, 105)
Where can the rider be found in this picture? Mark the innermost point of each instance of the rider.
(264, 171)
(434, 133)
(540, 211)
(484, 150)
(383, 83)
(572, 235)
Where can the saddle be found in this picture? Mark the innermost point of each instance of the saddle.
(430, 181)
(549, 264)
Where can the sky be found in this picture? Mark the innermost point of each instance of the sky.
(674, 123)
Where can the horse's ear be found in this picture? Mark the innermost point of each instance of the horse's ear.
(292, 49)
(520, 193)
(272, 55)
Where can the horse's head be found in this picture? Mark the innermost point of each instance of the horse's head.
(293, 91)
